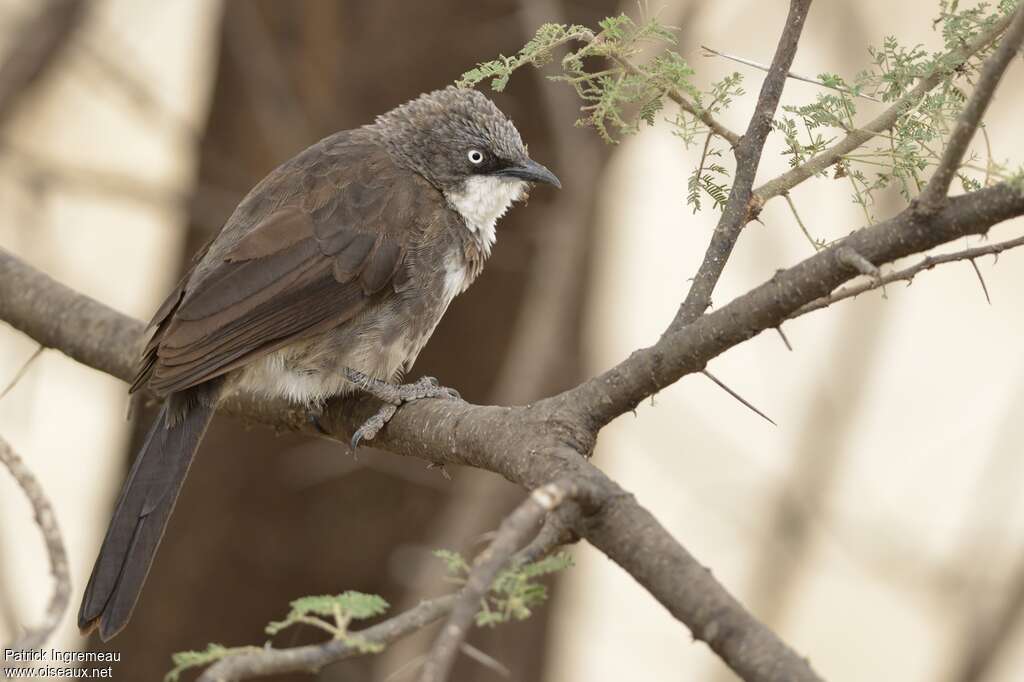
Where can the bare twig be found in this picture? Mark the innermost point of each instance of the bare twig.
(907, 274)
(794, 76)
(37, 636)
(740, 208)
(513, 531)
(935, 191)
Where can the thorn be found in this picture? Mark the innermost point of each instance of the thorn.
(21, 371)
(738, 397)
(981, 279)
(782, 335)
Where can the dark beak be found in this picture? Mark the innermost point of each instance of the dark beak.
(531, 171)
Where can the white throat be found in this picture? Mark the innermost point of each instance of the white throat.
(483, 200)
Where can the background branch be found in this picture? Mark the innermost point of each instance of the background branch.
(42, 510)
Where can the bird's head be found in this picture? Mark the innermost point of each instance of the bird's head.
(463, 145)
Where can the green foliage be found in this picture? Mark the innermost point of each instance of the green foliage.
(515, 591)
(617, 97)
(340, 609)
(185, 660)
(901, 157)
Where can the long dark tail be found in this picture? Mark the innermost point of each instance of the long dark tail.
(141, 515)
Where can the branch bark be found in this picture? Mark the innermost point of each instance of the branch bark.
(739, 208)
(513, 532)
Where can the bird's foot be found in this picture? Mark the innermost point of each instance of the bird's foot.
(393, 395)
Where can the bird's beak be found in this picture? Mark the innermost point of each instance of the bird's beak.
(531, 171)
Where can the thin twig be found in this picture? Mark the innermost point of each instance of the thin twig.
(513, 531)
(991, 73)
(46, 519)
(907, 274)
(794, 76)
(555, 531)
(315, 656)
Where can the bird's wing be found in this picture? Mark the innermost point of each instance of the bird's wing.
(331, 234)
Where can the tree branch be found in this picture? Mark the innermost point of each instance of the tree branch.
(313, 657)
(36, 637)
(907, 274)
(739, 209)
(513, 531)
(884, 121)
(678, 353)
(970, 118)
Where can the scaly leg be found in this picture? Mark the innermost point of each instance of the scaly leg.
(393, 396)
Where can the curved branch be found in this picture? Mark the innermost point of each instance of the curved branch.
(36, 637)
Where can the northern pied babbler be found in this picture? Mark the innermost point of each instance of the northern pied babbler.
(328, 278)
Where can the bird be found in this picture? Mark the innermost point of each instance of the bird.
(327, 279)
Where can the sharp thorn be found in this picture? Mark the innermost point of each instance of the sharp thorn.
(738, 397)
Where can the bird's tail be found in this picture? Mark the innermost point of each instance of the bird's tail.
(141, 516)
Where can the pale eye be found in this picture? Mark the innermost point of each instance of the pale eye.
(475, 156)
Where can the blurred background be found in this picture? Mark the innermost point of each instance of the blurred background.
(879, 528)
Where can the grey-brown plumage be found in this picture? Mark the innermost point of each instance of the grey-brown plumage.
(339, 264)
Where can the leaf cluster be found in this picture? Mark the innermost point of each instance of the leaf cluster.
(516, 590)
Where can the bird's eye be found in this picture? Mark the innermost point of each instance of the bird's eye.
(475, 156)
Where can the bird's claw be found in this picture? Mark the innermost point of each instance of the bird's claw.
(393, 395)
(372, 426)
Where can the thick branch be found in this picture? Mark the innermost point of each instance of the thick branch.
(517, 442)
(967, 124)
(647, 371)
(45, 518)
(738, 208)
(525, 445)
